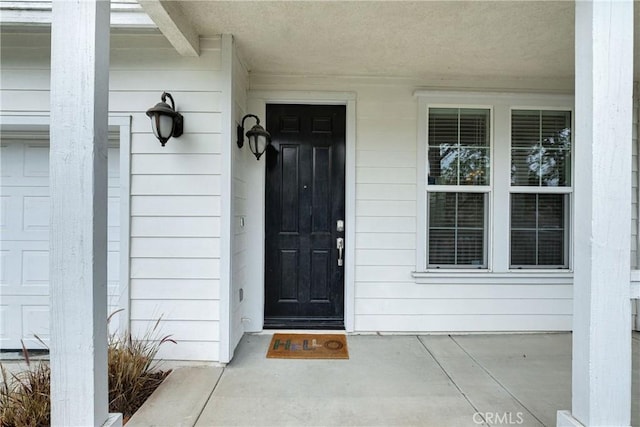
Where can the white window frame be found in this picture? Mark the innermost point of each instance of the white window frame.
(566, 190)
(482, 189)
(499, 212)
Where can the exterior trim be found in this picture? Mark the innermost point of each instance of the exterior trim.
(226, 204)
(527, 277)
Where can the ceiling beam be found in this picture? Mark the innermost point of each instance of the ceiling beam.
(169, 18)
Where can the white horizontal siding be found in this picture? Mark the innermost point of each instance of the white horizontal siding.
(467, 306)
(175, 164)
(159, 226)
(175, 289)
(385, 241)
(386, 175)
(396, 159)
(385, 208)
(179, 206)
(191, 143)
(175, 190)
(171, 185)
(463, 323)
(175, 268)
(398, 257)
(373, 290)
(388, 296)
(175, 247)
(186, 310)
(191, 350)
(192, 330)
(193, 122)
(386, 224)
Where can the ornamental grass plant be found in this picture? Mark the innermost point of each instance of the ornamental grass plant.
(24, 397)
(132, 371)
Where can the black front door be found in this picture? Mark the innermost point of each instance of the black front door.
(304, 285)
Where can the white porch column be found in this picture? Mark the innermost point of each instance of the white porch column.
(601, 393)
(78, 237)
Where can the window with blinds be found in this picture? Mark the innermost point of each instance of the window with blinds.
(540, 148)
(540, 158)
(457, 229)
(457, 186)
(458, 146)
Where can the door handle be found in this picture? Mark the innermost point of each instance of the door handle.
(340, 247)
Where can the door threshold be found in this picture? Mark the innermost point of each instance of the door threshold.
(303, 323)
(300, 331)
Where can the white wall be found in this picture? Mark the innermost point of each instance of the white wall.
(175, 190)
(387, 296)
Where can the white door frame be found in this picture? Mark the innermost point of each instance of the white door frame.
(257, 102)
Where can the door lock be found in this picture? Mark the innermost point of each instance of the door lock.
(340, 226)
(340, 247)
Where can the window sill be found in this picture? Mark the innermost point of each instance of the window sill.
(520, 277)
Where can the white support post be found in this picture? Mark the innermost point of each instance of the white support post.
(601, 387)
(78, 236)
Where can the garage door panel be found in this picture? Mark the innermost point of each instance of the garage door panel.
(35, 269)
(36, 215)
(36, 160)
(10, 319)
(9, 168)
(4, 209)
(19, 256)
(10, 216)
(25, 164)
(24, 258)
(5, 260)
(35, 321)
(25, 213)
(28, 317)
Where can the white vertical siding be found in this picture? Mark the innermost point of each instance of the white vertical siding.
(175, 190)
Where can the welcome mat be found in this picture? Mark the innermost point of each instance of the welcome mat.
(308, 346)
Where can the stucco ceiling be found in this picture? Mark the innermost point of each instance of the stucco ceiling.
(397, 38)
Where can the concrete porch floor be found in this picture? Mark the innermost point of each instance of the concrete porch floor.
(441, 381)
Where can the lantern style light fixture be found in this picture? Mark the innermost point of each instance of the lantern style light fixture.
(165, 120)
(258, 137)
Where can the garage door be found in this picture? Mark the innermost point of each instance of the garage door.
(24, 242)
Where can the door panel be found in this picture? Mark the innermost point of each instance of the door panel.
(304, 286)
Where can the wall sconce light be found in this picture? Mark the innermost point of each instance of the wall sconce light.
(259, 138)
(165, 120)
